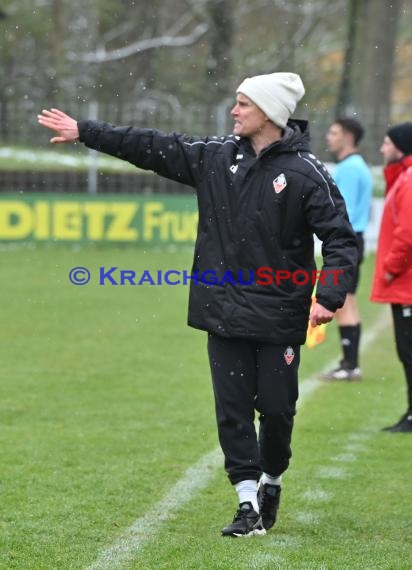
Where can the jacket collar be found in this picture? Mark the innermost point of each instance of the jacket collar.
(394, 170)
(295, 137)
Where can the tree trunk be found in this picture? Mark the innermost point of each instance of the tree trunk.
(344, 100)
(368, 70)
(57, 43)
(220, 51)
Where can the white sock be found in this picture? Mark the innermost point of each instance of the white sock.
(269, 480)
(247, 491)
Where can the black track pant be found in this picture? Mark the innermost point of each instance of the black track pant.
(402, 320)
(249, 376)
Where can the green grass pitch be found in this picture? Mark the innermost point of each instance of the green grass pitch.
(105, 401)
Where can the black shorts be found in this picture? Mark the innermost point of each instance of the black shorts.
(353, 285)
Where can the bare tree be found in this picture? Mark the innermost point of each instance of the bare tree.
(297, 24)
(174, 38)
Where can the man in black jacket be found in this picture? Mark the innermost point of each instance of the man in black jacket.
(261, 197)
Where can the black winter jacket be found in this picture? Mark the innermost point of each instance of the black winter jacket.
(254, 212)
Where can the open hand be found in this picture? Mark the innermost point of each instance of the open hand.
(65, 126)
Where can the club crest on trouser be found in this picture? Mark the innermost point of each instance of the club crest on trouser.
(279, 183)
(289, 355)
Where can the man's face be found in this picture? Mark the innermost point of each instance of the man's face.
(390, 152)
(249, 119)
(336, 138)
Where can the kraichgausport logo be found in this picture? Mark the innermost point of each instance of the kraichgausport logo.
(263, 276)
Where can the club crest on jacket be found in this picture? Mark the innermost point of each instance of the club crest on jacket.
(279, 183)
(289, 355)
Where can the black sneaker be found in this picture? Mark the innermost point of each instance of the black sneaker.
(404, 425)
(246, 522)
(269, 499)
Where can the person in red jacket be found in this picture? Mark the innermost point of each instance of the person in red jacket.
(392, 281)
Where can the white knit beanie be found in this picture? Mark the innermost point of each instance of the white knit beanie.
(276, 94)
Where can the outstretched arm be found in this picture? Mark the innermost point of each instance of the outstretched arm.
(57, 121)
(173, 156)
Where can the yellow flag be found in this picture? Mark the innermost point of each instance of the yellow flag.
(315, 335)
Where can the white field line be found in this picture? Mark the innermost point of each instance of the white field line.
(331, 472)
(145, 528)
(352, 446)
(126, 548)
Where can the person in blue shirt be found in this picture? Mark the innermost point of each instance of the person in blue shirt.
(353, 178)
